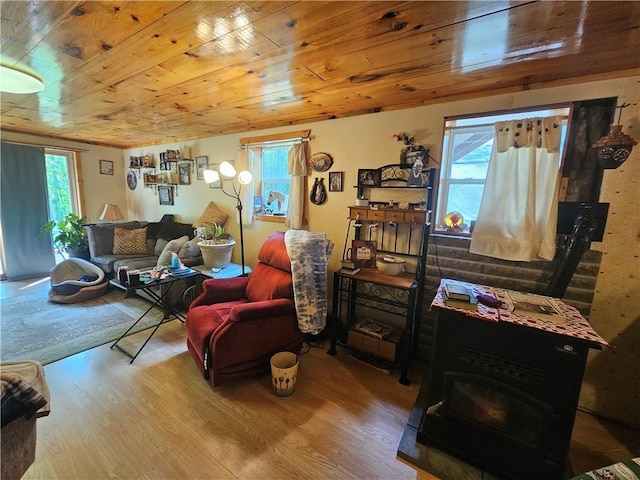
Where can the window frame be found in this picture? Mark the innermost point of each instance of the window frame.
(470, 121)
(281, 144)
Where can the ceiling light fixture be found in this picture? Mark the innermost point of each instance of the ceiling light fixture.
(17, 80)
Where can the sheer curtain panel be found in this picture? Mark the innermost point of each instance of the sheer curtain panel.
(246, 159)
(298, 171)
(24, 209)
(519, 208)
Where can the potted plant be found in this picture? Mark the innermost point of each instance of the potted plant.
(71, 236)
(216, 246)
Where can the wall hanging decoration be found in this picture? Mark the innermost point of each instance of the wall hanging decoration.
(320, 162)
(201, 166)
(335, 181)
(132, 180)
(614, 148)
(184, 170)
(106, 167)
(318, 192)
(165, 195)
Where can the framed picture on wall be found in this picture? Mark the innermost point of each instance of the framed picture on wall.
(368, 177)
(335, 181)
(106, 167)
(201, 166)
(150, 178)
(165, 195)
(184, 171)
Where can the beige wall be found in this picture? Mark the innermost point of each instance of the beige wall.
(97, 189)
(612, 382)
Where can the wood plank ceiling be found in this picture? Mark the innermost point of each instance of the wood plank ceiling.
(133, 73)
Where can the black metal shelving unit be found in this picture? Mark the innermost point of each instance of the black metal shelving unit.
(400, 231)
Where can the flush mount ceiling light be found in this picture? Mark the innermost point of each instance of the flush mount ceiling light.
(16, 80)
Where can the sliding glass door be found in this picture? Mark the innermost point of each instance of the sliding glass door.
(61, 188)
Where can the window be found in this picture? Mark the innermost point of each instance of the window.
(466, 151)
(276, 182)
(62, 191)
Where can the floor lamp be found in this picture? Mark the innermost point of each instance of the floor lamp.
(244, 178)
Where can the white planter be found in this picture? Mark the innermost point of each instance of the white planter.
(217, 255)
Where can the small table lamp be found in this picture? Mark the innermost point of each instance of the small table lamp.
(111, 213)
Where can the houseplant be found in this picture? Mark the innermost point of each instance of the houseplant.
(216, 246)
(70, 237)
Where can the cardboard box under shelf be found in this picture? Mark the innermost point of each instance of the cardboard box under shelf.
(380, 347)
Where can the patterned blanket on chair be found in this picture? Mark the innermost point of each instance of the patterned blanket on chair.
(309, 253)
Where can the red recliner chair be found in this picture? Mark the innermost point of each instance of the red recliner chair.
(236, 325)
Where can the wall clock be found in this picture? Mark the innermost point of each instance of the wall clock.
(321, 161)
(132, 180)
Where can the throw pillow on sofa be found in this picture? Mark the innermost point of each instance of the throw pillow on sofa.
(190, 249)
(130, 242)
(211, 214)
(174, 246)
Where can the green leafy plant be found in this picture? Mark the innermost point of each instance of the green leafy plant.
(214, 232)
(70, 232)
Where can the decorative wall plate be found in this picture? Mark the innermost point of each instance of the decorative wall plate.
(132, 180)
(321, 161)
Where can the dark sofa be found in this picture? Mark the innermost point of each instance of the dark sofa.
(158, 235)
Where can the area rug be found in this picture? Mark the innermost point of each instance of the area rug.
(32, 328)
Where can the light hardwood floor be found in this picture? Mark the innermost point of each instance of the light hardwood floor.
(158, 419)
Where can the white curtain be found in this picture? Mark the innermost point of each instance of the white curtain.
(519, 208)
(246, 160)
(298, 171)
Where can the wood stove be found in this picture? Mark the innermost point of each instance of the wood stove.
(502, 396)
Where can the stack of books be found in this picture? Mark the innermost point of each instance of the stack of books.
(457, 295)
(350, 267)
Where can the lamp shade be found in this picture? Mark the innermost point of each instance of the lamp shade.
(16, 80)
(227, 169)
(111, 212)
(245, 177)
(211, 176)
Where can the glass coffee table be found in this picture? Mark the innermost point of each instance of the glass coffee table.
(151, 289)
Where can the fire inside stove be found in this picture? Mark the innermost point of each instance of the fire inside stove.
(497, 410)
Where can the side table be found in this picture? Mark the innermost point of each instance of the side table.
(159, 301)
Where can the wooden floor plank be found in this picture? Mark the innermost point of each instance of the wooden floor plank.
(159, 419)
